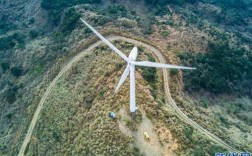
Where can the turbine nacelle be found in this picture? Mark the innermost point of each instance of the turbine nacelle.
(133, 54)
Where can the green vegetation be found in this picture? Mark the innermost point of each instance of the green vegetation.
(246, 117)
(10, 41)
(113, 12)
(16, 71)
(5, 24)
(89, 102)
(5, 64)
(174, 72)
(223, 69)
(38, 69)
(241, 108)
(32, 20)
(18, 37)
(149, 74)
(198, 151)
(160, 5)
(188, 131)
(165, 33)
(224, 120)
(6, 43)
(165, 2)
(10, 95)
(238, 4)
(33, 33)
(57, 7)
(216, 149)
(70, 19)
(117, 9)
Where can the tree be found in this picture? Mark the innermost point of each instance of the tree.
(198, 151)
(57, 7)
(174, 72)
(188, 131)
(33, 33)
(16, 71)
(70, 20)
(10, 94)
(221, 70)
(5, 64)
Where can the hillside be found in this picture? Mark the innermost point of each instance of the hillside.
(38, 38)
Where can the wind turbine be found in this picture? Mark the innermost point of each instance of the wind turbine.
(130, 69)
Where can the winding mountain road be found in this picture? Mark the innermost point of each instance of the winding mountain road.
(171, 102)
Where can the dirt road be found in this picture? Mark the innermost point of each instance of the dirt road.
(171, 102)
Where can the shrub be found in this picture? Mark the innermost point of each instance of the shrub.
(6, 43)
(224, 120)
(18, 37)
(10, 94)
(33, 33)
(165, 33)
(246, 117)
(89, 102)
(204, 103)
(31, 21)
(166, 2)
(101, 20)
(119, 65)
(16, 71)
(174, 72)
(70, 20)
(126, 24)
(10, 41)
(216, 149)
(199, 151)
(5, 64)
(117, 9)
(148, 31)
(149, 74)
(221, 70)
(5, 24)
(57, 135)
(56, 7)
(37, 69)
(9, 115)
(188, 131)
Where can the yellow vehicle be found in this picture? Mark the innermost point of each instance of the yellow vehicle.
(146, 136)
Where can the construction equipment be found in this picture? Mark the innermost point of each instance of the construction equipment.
(146, 136)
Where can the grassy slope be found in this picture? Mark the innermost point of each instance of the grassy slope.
(75, 118)
(68, 125)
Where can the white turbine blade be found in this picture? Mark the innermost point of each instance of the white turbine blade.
(106, 41)
(159, 65)
(123, 78)
(132, 89)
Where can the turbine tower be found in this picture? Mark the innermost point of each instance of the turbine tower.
(130, 69)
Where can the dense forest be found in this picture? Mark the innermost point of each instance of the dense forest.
(222, 69)
(55, 8)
